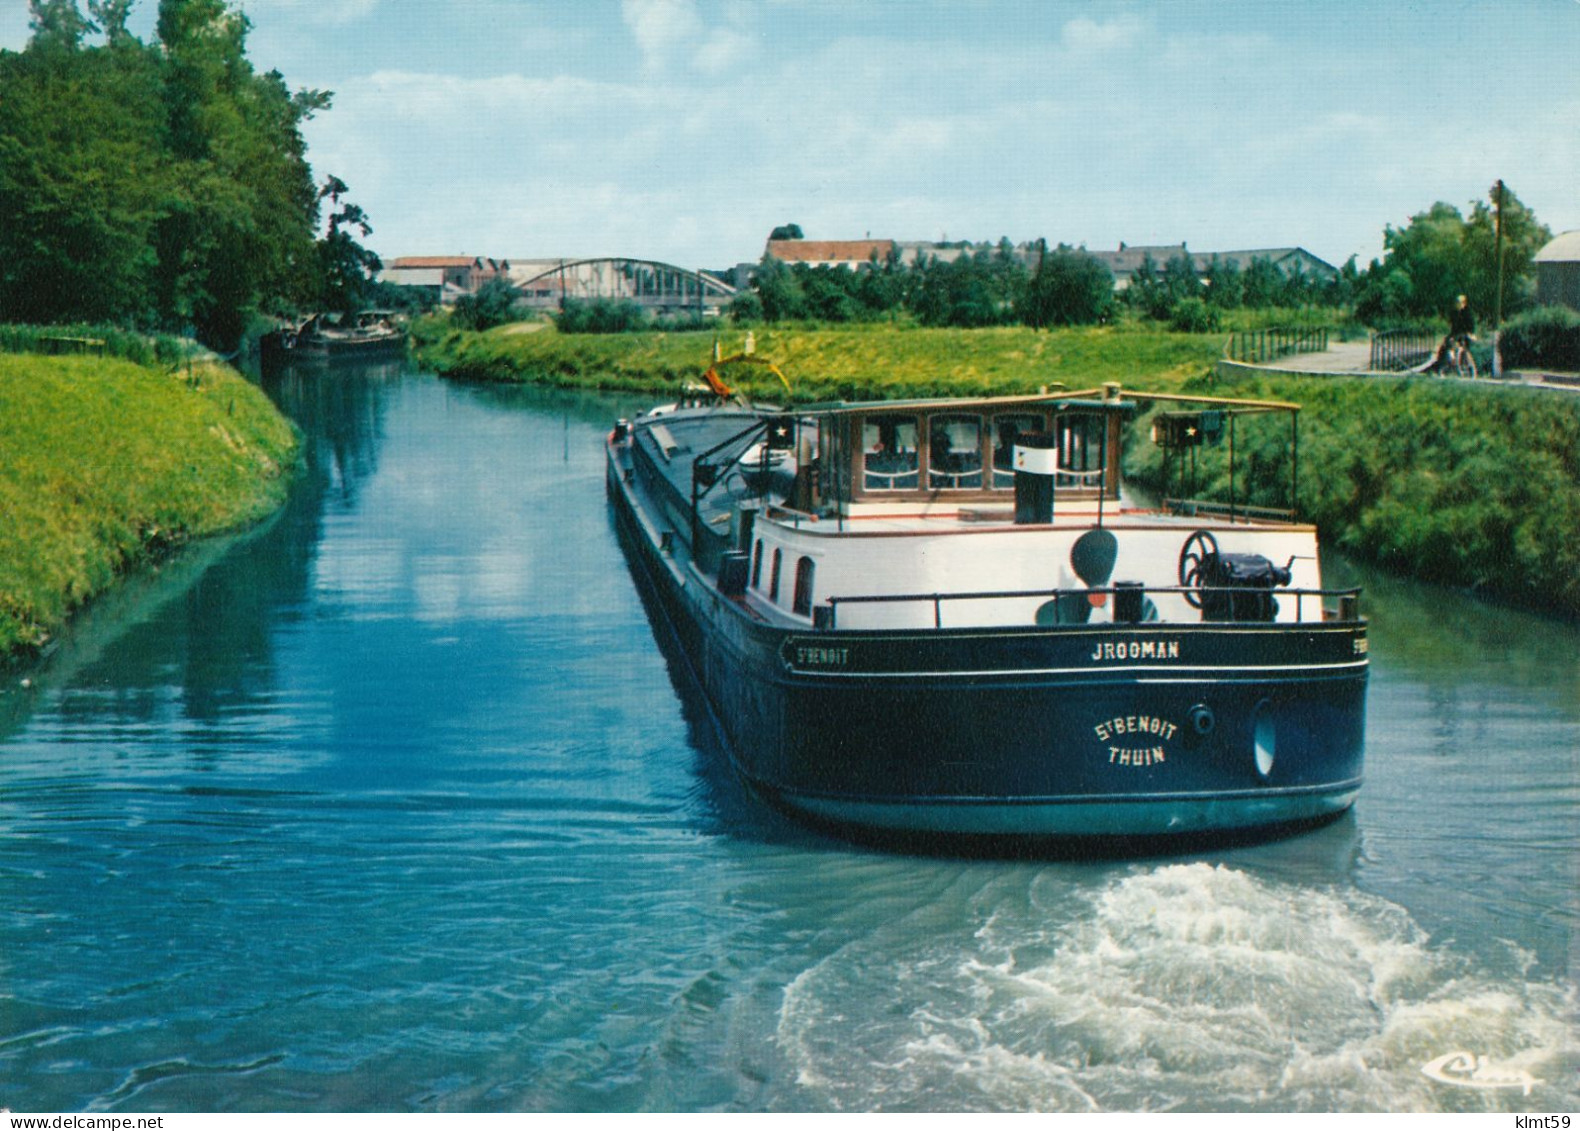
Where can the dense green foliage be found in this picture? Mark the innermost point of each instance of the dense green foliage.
(104, 341)
(601, 316)
(1474, 486)
(345, 267)
(1193, 316)
(1068, 288)
(493, 304)
(1006, 286)
(1441, 254)
(109, 464)
(1546, 338)
(159, 185)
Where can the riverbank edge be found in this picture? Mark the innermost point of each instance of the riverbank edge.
(1470, 486)
(123, 467)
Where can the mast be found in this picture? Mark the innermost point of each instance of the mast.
(1497, 310)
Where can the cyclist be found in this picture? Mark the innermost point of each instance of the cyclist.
(1455, 348)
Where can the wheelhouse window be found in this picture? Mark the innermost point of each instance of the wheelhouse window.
(1081, 446)
(805, 569)
(773, 577)
(889, 452)
(954, 452)
(1007, 428)
(757, 565)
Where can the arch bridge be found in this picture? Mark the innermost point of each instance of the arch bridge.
(660, 287)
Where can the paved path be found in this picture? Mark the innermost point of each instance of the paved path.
(1339, 357)
(1355, 357)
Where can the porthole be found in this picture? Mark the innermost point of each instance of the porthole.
(1264, 740)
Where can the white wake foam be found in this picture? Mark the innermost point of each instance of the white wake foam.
(1187, 987)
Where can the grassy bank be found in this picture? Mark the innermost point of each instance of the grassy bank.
(851, 363)
(1474, 486)
(106, 464)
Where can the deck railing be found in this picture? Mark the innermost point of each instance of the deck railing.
(1348, 607)
(1232, 512)
(1393, 350)
(1257, 346)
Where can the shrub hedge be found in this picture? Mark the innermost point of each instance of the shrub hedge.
(1547, 338)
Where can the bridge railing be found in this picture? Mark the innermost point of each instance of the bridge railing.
(1393, 350)
(1257, 346)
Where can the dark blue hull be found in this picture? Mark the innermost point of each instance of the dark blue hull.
(1112, 730)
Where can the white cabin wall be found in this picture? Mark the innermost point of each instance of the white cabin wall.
(1008, 559)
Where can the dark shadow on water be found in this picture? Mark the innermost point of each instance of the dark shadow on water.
(203, 620)
(1449, 638)
(727, 805)
(1176, 847)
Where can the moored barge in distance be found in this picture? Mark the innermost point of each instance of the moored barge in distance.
(948, 617)
(331, 337)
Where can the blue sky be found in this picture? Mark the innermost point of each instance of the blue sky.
(684, 130)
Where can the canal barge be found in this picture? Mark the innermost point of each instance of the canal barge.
(951, 617)
(334, 337)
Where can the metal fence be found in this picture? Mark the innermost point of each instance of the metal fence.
(1257, 346)
(1401, 349)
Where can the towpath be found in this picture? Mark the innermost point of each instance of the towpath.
(1354, 359)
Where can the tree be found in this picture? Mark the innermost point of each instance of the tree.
(493, 304)
(157, 185)
(81, 179)
(1180, 280)
(1262, 284)
(961, 293)
(110, 15)
(1440, 254)
(779, 290)
(1523, 237)
(57, 25)
(786, 232)
(880, 290)
(828, 292)
(1147, 291)
(346, 268)
(240, 219)
(1225, 289)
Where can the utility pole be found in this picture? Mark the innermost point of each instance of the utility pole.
(1497, 309)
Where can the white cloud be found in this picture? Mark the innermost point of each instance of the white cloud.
(662, 27)
(723, 49)
(405, 94)
(1085, 35)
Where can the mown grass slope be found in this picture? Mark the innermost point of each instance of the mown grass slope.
(105, 464)
(826, 363)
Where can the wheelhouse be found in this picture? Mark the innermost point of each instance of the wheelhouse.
(924, 457)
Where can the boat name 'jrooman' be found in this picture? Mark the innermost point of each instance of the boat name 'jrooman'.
(1136, 650)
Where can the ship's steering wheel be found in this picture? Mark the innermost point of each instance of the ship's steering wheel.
(1197, 549)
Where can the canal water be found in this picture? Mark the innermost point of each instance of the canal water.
(395, 803)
